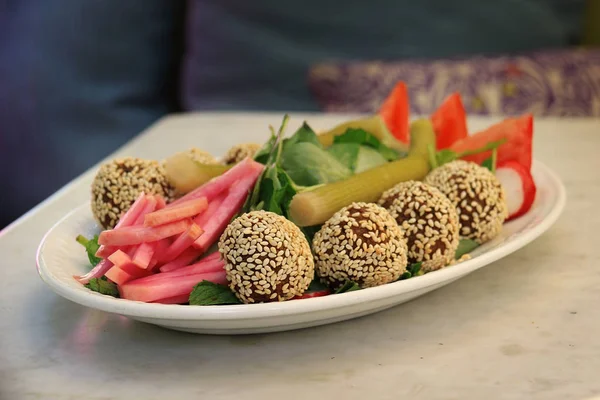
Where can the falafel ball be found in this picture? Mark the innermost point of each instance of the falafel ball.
(119, 182)
(201, 156)
(239, 152)
(428, 220)
(360, 243)
(267, 258)
(477, 195)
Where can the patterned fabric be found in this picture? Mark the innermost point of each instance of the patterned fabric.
(558, 83)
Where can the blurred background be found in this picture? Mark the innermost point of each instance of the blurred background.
(80, 78)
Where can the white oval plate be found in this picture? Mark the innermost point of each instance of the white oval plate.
(59, 257)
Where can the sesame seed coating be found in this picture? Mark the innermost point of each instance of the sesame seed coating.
(361, 243)
(267, 258)
(477, 195)
(428, 220)
(202, 156)
(119, 182)
(239, 152)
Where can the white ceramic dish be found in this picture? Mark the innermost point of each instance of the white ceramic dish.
(60, 257)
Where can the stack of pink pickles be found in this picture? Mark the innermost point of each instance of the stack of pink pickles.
(157, 252)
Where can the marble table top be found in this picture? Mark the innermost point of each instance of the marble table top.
(525, 327)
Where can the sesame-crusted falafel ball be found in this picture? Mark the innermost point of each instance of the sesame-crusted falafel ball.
(267, 258)
(477, 195)
(360, 243)
(119, 182)
(201, 156)
(239, 152)
(428, 220)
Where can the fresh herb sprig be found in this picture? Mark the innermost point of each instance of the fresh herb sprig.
(349, 286)
(91, 247)
(103, 286)
(207, 293)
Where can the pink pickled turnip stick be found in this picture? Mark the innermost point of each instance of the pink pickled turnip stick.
(140, 234)
(160, 202)
(143, 254)
(124, 262)
(118, 276)
(189, 255)
(217, 223)
(182, 299)
(218, 185)
(148, 291)
(97, 272)
(201, 266)
(128, 219)
(185, 240)
(131, 215)
(148, 208)
(213, 206)
(183, 210)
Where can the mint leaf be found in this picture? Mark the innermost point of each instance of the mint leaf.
(405, 275)
(207, 293)
(316, 285)
(91, 247)
(274, 189)
(104, 286)
(347, 287)
(465, 246)
(415, 269)
(411, 271)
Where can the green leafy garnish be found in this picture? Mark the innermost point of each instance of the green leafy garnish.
(264, 153)
(307, 163)
(310, 165)
(274, 189)
(490, 163)
(103, 285)
(309, 232)
(356, 157)
(445, 156)
(304, 134)
(362, 137)
(411, 271)
(91, 247)
(292, 165)
(316, 285)
(347, 287)
(346, 153)
(207, 293)
(465, 246)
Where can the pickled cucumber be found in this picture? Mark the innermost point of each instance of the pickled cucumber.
(185, 174)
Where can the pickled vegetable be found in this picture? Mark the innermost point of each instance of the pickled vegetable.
(185, 174)
(313, 207)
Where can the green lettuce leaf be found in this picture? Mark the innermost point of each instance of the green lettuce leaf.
(309, 165)
(362, 137)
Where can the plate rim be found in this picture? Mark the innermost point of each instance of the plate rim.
(288, 308)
